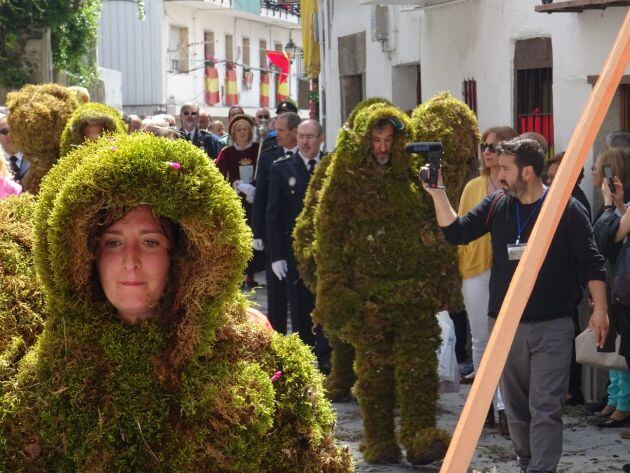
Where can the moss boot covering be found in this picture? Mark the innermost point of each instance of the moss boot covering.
(341, 378)
(37, 116)
(378, 284)
(21, 301)
(109, 118)
(197, 388)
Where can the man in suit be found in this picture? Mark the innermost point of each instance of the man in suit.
(289, 179)
(283, 142)
(189, 115)
(15, 159)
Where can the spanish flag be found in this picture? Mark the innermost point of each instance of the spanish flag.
(212, 86)
(264, 89)
(231, 89)
(281, 60)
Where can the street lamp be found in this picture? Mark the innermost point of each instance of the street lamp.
(291, 49)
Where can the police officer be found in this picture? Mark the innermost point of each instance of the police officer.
(288, 182)
(283, 142)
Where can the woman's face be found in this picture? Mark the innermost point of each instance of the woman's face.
(133, 263)
(489, 151)
(242, 132)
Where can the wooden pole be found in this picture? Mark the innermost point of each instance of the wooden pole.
(471, 421)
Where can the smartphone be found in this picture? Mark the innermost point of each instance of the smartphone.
(608, 174)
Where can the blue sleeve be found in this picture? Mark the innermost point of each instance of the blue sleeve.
(274, 216)
(259, 208)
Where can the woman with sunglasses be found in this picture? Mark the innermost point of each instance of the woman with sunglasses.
(475, 259)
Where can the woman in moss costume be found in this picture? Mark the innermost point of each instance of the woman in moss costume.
(341, 378)
(382, 273)
(90, 121)
(195, 387)
(37, 116)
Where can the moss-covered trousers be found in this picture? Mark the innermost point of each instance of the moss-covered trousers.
(396, 360)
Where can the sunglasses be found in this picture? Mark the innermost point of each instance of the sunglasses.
(265, 117)
(488, 146)
(4, 131)
(186, 113)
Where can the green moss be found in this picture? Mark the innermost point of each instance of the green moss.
(383, 270)
(37, 116)
(191, 389)
(109, 118)
(21, 301)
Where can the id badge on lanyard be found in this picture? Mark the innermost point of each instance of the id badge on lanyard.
(515, 251)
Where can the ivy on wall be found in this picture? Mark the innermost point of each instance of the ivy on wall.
(73, 25)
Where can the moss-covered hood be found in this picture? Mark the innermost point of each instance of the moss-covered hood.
(353, 148)
(175, 179)
(87, 113)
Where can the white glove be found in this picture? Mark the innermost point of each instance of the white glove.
(248, 190)
(258, 244)
(279, 268)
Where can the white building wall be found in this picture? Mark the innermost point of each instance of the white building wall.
(134, 47)
(474, 39)
(183, 87)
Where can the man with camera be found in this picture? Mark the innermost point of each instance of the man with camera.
(536, 375)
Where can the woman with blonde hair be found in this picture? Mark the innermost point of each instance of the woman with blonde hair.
(475, 258)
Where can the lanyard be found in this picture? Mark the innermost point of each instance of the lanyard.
(519, 227)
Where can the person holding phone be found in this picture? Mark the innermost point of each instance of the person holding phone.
(613, 177)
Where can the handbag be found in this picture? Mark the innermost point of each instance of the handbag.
(620, 281)
(586, 353)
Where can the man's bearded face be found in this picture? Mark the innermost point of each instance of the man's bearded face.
(381, 141)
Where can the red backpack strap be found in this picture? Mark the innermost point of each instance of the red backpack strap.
(493, 206)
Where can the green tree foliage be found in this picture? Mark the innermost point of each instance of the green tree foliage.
(73, 25)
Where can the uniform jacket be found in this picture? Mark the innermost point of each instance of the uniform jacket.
(288, 182)
(270, 152)
(204, 140)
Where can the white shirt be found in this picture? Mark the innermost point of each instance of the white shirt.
(19, 155)
(290, 150)
(306, 160)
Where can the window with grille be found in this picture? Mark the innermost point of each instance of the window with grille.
(208, 45)
(178, 49)
(246, 59)
(229, 48)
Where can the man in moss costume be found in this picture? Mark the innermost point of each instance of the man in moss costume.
(196, 387)
(37, 116)
(339, 382)
(90, 121)
(383, 272)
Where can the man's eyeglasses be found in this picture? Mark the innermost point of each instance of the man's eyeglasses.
(488, 146)
(307, 137)
(4, 131)
(188, 112)
(263, 117)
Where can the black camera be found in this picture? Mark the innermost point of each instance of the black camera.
(432, 151)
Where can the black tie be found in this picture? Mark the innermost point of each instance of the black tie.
(311, 166)
(13, 166)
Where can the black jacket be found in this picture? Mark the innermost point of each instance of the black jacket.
(288, 182)
(204, 140)
(270, 152)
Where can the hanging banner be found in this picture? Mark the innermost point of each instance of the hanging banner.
(212, 86)
(231, 87)
(264, 89)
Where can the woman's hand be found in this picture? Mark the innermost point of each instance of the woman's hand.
(609, 197)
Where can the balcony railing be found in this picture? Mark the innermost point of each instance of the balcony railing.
(282, 9)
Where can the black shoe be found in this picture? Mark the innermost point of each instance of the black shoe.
(626, 468)
(490, 423)
(612, 423)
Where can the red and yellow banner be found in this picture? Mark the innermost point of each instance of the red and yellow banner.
(212, 86)
(264, 89)
(231, 88)
(280, 59)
